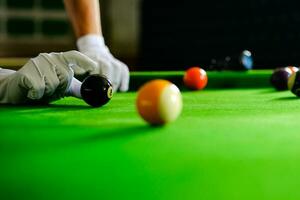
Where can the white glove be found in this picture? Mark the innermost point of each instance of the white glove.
(42, 79)
(94, 47)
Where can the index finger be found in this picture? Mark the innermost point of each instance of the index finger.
(81, 60)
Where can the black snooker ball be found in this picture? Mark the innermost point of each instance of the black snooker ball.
(241, 62)
(294, 83)
(96, 90)
(279, 78)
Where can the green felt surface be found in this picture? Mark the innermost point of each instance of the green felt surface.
(227, 144)
(216, 79)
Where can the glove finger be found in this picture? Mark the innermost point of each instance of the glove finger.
(124, 77)
(117, 74)
(50, 85)
(17, 89)
(56, 74)
(49, 72)
(32, 77)
(34, 86)
(64, 76)
(106, 69)
(78, 60)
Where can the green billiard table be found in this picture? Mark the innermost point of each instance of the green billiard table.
(238, 139)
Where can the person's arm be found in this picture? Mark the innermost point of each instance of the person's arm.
(43, 79)
(84, 16)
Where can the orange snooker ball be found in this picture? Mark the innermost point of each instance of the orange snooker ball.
(195, 78)
(159, 102)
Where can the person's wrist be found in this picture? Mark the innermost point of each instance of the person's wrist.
(5, 73)
(90, 43)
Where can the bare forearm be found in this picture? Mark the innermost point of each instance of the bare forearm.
(84, 16)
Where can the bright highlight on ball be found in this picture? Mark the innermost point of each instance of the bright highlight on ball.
(280, 77)
(195, 78)
(159, 102)
(294, 83)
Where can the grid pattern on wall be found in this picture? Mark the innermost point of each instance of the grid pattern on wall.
(33, 26)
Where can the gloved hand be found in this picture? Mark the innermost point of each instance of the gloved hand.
(94, 47)
(42, 79)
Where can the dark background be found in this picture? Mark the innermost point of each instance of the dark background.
(162, 34)
(178, 34)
